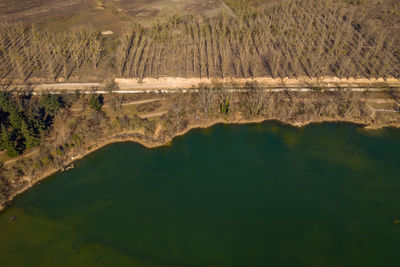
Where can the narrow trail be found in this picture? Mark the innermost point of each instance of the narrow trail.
(34, 151)
(153, 114)
(229, 89)
(139, 102)
(384, 110)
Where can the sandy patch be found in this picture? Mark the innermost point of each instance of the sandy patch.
(325, 82)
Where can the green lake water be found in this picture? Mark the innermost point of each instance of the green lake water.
(238, 195)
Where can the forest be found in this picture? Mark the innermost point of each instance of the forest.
(292, 38)
(25, 119)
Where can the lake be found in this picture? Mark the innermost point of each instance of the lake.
(231, 195)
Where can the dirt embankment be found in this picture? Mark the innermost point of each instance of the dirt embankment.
(132, 85)
(301, 82)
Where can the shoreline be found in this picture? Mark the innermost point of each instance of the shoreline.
(130, 137)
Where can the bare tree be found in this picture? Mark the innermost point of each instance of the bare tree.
(254, 98)
(206, 97)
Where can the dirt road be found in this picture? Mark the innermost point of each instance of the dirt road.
(172, 84)
(301, 82)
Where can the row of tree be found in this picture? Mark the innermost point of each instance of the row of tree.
(292, 38)
(26, 52)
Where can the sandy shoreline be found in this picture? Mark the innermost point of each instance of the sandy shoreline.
(130, 137)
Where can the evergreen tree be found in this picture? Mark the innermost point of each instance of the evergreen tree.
(31, 140)
(7, 142)
(51, 103)
(96, 102)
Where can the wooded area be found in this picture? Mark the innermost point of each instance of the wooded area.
(293, 38)
(70, 124)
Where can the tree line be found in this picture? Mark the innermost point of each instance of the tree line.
(290, 39)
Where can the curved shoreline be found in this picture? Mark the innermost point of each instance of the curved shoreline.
(130, 137)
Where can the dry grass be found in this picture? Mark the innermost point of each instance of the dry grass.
(56, 15)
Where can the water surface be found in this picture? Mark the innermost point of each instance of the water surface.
(248, 195)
